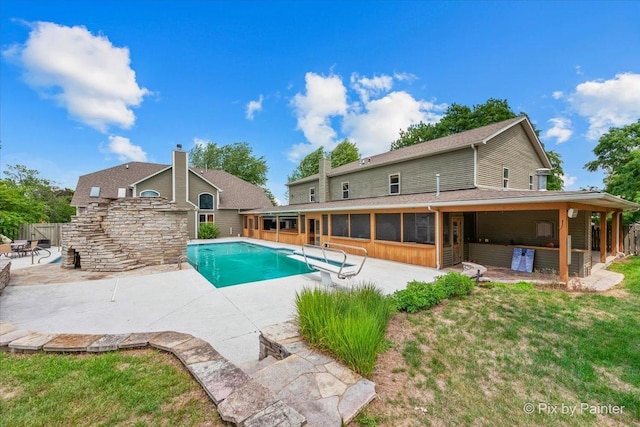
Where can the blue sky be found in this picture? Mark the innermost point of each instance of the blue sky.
(89, 85)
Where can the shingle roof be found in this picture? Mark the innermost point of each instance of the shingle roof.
(109, 180)
(236, 193)
(468, 197)
(440, 145)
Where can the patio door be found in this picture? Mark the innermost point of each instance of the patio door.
(313, 233)
(457, 240)
(250, 227)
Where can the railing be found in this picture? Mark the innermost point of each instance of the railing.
(325, 266)
(38, 248)
(184, 258)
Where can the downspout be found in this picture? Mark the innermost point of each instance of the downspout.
(437, 236)
(475, 165)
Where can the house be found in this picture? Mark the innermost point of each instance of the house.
(477, 195)
(139, 214)
(209, 196)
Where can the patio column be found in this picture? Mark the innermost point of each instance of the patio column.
(563, 247)
(615, 233)
(603, 237)
(439, 238)
(620, 232)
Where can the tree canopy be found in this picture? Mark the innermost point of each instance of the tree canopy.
(237, 159)
(618, 155)
(459, 118)
(343, 153)
(25, 198)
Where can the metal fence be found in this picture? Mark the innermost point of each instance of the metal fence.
(50, 232)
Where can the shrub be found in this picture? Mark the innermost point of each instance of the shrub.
(350, 324)
(208, 231)
(421, 295)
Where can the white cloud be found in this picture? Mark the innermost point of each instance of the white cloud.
(200, 142)
(607, 103)
(254, 106)
(379, 124)
(557, 94)
(561, 130)
(405, 77)
(578, 69)
(324, 98)
(126, 150)
(367, 87)
(372, 122)
(84, 73)
(568, 181)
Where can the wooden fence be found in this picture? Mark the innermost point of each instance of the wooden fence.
(50, 232)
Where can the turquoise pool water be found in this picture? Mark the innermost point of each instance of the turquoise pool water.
(228, 264)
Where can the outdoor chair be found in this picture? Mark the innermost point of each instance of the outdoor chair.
(18, 246)
(30, 248)
(6, 250)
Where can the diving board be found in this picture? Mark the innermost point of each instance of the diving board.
(331, 260)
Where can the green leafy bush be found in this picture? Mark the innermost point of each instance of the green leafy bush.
(421, 295)
(208, 231)
(350, 324)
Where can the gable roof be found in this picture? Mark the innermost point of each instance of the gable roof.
(109, 180)
(453, 142)
(235, 193)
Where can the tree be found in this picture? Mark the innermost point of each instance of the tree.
(618, 155)
(237, 159)
(343, 153)
(459, 118)
(26, 198)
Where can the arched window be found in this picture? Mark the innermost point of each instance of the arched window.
(205, 201)
(149, 193)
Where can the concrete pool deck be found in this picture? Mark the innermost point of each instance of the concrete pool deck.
(228, 318)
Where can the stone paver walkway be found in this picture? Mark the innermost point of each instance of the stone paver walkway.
(303, 387)
(326, 392)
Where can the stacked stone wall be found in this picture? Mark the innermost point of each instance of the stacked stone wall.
(5, 274)
(125, 234)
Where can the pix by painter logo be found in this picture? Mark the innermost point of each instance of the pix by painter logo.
(547, 408)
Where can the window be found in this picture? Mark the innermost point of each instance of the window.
(269, 223)
(122, 192)
(360, 226)
(325, 225)
(95, 192)
(530, 182)
(204, 218)
(245, 222)
(289, 223)
(505, 178)
(419, 228)
(149, 193)
(394, 183)
(345, 190)
(312, 194)
(340, 225)
(544, 229)
(256, 223)
(303, 220)
(205, 201)
(388, 227)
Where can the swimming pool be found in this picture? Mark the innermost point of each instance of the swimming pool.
(233, 263)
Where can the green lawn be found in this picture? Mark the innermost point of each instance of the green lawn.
(133, 388)
(515, 355)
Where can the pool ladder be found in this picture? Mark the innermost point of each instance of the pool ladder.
(184, 258)
(325, 267)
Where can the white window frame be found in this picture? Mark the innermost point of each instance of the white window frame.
(505, 178)
(156, 194)
(213, 201)
(312, 194)
(531, 182)
(122, 192)
(94, 192)
(342, 184)
(394, 184)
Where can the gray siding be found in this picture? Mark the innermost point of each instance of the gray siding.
(160, 183)
(229, 222)
(511, 149)
(299, 193)
(416, 176)
(198, 186)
